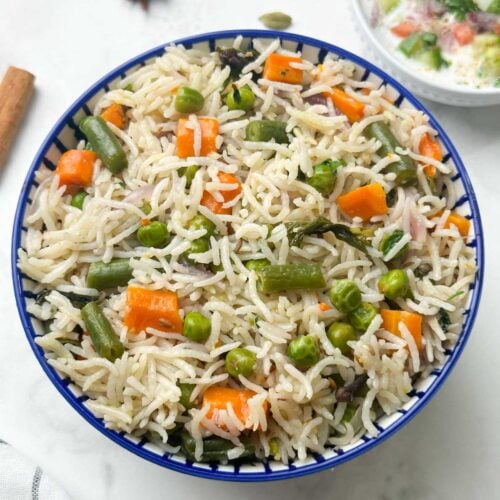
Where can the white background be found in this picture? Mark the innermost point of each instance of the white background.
(450, 450)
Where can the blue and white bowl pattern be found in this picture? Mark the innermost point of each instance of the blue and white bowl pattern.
(65, 135)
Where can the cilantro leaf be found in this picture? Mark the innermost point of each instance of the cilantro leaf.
(460, 8)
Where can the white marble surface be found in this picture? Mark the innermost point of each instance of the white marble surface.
(451, 450)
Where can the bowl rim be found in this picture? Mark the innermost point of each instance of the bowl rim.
(466, 91)
(208, 472)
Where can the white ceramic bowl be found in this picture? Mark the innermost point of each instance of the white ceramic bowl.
(417, 82)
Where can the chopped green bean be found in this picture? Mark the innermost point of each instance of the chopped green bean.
(104, 143)
(106, 342)
(275, 278)
(104, 275)
(186, 391)
(256, 264)
(214, 448)
(78, 199)
(404, 168)
(266, 130)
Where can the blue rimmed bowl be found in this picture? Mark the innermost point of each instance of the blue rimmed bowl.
(64, 136)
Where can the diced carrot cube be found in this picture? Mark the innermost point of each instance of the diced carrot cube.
(76, 168)
(157, 309)
(185, 137)
(365, 202)
(277, 68)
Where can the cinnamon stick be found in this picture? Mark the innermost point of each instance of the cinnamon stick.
(15, 92)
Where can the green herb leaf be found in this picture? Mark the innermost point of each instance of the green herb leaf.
(236, 59)
(297, 230)
(76, 299)
(460, 8)
(455, 295)
(391, 197)
(444, 320)
(236, 94)
(276, 20)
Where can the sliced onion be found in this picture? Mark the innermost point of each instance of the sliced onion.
(139, 194)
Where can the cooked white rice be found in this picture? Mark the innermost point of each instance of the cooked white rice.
(138, 393)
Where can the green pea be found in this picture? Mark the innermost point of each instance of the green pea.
(106, 342)
(202, 222)
(240, 361)
(78, 199)
(256, 264)
(241, 98)
(189, 173)
(154, 235)
(362, 316)
(339, 334)
(345, 295)
(196, 327)
(394, 284)
(215, 268)
(186, 391)
(323, 177)
(304, 351)
(349, 412)
(275, 448)
(188, 100)
(146, 208)
(388, 242)
(201, 245)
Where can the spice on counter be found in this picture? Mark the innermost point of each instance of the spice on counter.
(276, 20)
(15, 92)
